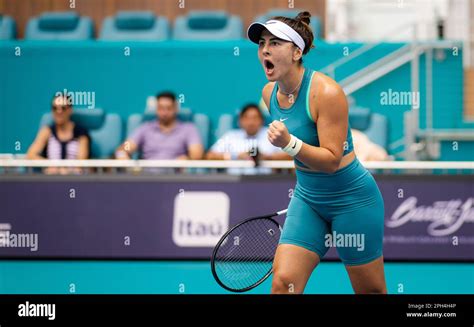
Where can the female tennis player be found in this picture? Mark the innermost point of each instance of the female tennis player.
(336, 201)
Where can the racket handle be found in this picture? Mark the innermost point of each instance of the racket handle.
(282, 212)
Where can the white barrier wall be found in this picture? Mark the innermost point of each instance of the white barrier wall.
(371, 20)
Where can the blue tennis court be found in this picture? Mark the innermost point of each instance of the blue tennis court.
(135, 277)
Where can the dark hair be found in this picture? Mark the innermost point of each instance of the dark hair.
(166, 94)
(248, 107)
(301, 25)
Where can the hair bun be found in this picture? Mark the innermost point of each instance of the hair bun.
(304, 16)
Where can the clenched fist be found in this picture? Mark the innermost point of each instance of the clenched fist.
(278, 134)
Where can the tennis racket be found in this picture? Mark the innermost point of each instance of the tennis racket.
(243, 257)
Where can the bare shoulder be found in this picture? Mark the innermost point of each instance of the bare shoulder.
(325, 93)
(267, 92)
(44, 132)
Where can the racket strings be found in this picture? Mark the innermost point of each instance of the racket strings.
(245, 257)
(251, 240)
(254, 241)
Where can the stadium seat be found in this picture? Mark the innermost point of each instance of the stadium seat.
(135, 25)
(225, 123)
(185, 114)
(7, 28)
(66, 25)
(315, 20)
(104, 129)
(208, 25)
(374, 125)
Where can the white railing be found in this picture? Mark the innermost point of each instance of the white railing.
(377, 69)
(410, 53)
(279, 164)
(332, 67)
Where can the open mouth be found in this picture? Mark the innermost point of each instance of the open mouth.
(269, 66)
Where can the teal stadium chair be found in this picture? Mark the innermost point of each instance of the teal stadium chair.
(225, 123)
(104, 129)
(291, 13)
(374, 125)
(185, 114)
(208, 25)
(7, 28)
(135, 25)
(66, 25)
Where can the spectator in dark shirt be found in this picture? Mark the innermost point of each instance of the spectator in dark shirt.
(63, 139)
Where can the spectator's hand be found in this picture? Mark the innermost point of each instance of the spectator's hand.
(122, 155)
(62, 170)
(51, 170)
(244, 156)
(182, 157)
(65, 170)
(77, 170)
(278, 134)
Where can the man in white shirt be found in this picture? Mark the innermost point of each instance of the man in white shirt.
(250, 142)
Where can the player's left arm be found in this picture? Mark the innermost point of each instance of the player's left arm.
(332, 123)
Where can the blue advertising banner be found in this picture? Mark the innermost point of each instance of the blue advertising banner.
(148, 217)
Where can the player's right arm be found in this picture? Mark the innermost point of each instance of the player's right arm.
(267, 93)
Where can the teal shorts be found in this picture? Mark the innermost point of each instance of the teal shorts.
(344, 210)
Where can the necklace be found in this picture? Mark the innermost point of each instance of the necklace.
(297, 86)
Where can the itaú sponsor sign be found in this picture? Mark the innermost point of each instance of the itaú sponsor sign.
(200, 218)
(444, 217)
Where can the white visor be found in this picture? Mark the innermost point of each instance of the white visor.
(276, 28)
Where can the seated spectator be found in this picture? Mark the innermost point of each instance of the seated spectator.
(63, 139)
(250, 142)
(164, 138)
(365, 149)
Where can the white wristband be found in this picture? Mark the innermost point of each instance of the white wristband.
(294, 146)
